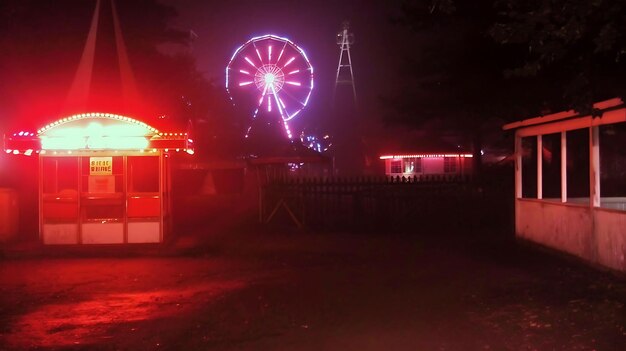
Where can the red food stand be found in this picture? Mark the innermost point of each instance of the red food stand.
(103, 178)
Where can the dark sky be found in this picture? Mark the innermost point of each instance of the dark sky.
(222, 26)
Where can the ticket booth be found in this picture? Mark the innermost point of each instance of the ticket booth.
(103, 178)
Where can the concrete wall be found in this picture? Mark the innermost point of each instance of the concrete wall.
(596, 235)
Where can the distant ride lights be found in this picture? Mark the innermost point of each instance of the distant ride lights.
(270, 74)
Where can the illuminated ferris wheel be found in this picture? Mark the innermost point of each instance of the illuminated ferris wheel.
(270, 74)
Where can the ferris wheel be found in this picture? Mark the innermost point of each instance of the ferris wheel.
(270, 74)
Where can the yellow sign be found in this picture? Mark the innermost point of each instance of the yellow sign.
(100, 165)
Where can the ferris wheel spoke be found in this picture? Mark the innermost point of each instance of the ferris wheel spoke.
(293, 98)
(256, 111)
(282, 112)
(249, 61)
(289, 61)
(257, 52)
(281, 52)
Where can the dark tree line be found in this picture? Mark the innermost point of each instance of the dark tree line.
(477, 64)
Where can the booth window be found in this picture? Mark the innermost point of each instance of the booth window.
(60, 174)
(102, 175)
(143, 174)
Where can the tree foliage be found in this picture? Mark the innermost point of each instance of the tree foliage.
(510, 58)
(457, 73)
(580, 43)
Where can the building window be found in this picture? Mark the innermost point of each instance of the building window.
(413, 165)
(449, 164)
(396, 166)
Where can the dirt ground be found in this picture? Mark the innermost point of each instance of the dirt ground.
(304, 291)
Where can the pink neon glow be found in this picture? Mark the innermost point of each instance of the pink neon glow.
(256, 111)
(281, 53)
(249, 61)
(95, 131)
(289, 61)
(290, 97)
(269, 79)
(93, 136)
(386, 157)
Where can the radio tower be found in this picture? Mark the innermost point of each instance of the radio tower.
(344, 69)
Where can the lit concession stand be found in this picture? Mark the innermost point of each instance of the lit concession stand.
(103, 178)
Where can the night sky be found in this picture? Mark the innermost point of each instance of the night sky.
(222, 26)
(377, 55)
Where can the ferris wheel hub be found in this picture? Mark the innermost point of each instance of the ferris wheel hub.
(269, 78)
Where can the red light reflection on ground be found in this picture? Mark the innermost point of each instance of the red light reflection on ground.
(72, 323)
(79, 302)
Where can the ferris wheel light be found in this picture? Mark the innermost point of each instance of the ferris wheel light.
(250, 61)
(289, 61)
(281, 54)
(269, 78)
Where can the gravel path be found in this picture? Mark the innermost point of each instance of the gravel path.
(299, 291)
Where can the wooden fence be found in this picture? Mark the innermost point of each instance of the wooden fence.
(367, 203)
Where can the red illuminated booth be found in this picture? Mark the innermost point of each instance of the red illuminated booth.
(103, 178)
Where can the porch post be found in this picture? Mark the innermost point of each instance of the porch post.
(594, 166)
(539, 167)
(518, 166)
(563, 166)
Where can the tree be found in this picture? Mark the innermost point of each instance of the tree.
(579, 43)
(458, 81)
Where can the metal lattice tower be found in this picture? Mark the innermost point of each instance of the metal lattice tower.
(345, 75)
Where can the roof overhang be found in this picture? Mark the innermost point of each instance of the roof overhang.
(96, 132)
(603, 106)
(433, 155)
